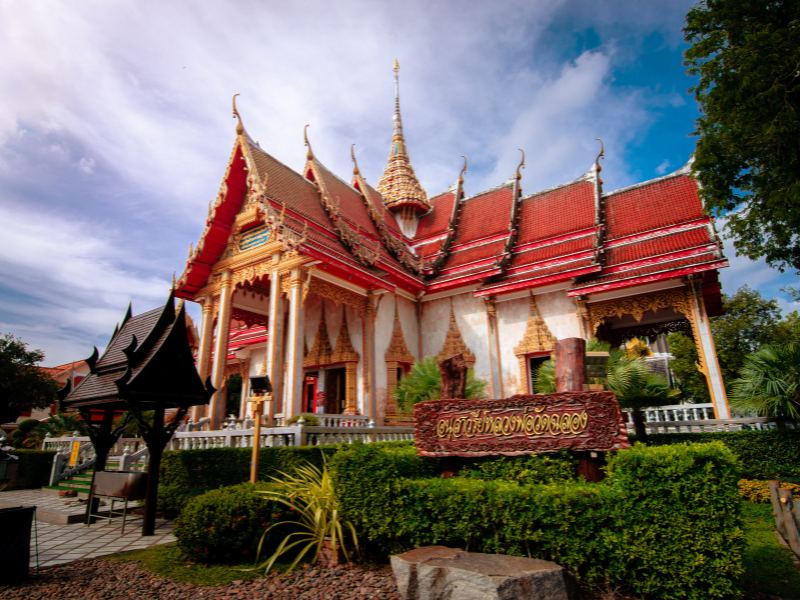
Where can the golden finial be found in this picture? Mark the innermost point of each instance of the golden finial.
(236, 115)
(191, 250)
(173, 281)
(309, 153)
(463, 170)
(396, 66)
(601, 154)
(355, 162)
(521, 165)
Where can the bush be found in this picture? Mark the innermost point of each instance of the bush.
(755, 490)
(188, 473)
(544, 468)
(225, 525)
(665, 522)
(34, 468)
(761, 454)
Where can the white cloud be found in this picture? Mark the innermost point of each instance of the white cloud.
(662, 167)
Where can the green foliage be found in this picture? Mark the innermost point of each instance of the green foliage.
(544, 468)
(769, 382)
(187, 473)
(665, 523)
(544, 382)
(225, 525)
(761, 454)
(308, 419)
(634, 384)
(424, 383)
(31, 433)
(34, 468)
(748, 322)
(22, 385)
(691, 381)
(746, 55)
(315, 524)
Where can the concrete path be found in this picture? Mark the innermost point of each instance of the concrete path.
(62, 542)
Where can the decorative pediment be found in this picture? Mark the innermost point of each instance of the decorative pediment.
(537, 336)
(454, 343)
(320, 353)
(344, 351)
(397, 350)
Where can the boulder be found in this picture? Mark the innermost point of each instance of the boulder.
(441, 573)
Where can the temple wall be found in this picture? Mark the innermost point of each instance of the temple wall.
(471, 319)
(560, 313)
(512, 317)
(355, 326)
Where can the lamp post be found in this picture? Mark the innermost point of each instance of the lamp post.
(260, 390)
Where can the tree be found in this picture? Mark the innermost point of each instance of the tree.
(23, 385)
(424, 383)
(683, 365)
(747, 57)
(769, 384)
(747, 323)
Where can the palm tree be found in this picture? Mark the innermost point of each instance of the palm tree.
(769, 382)
(424, 383)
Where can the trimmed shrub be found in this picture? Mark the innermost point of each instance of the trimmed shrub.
(188, 473)
(665, 522)
(544, 468)
(34, 468)
(762, 454)
(225, 525)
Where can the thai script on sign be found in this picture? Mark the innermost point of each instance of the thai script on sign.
(532, 421)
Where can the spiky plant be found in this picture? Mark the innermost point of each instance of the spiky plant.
(769, 382)
(424, 383)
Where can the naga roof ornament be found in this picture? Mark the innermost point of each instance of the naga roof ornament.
(399, 185)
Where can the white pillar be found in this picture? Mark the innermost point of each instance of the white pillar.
(275, 338)
(204, 350)
(294, 374)
(495, 366)
(705, 345)
(217, 409)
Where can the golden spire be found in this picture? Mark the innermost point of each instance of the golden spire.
(399, 185)
(238, 117)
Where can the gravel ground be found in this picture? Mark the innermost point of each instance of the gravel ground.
(98, 579)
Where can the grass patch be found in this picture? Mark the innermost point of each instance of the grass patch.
(168, 561)
(770, 571)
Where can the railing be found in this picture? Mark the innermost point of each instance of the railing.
(712, 425)
(679, 412)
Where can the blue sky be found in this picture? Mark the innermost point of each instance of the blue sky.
(115, 124)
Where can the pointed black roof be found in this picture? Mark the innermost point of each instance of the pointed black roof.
(148, 361)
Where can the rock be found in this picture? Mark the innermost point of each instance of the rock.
(440, 573)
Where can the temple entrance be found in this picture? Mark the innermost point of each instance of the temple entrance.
(534, 362)
(335, 390)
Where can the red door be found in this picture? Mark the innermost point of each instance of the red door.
(310, 395)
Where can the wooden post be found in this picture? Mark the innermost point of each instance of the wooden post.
(570, 377)
(570, 369)
(257, 413)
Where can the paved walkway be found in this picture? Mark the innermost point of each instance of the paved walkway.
(59, 543)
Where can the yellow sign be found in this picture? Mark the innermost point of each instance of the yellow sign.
(73, 453)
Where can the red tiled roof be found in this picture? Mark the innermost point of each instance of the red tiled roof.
(438, 219)
(558, 211)
(484, 215)
(647, 206)
(348, 199)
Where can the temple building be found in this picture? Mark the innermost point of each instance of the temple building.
(334, 288)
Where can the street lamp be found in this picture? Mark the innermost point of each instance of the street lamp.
(260, 391)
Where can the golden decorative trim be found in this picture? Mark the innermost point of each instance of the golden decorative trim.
(321, 351)
(454, 343)
(678, 299)
(325, 289)
(537, 338)
(344, 351)
(398, 350)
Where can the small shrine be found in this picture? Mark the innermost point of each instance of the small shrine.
(147, 372)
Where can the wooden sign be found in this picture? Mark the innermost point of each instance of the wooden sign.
(530, 424)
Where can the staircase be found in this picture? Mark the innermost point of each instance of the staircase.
(80, 483)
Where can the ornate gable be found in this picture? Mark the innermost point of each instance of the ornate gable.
(397, 350)
(454, 343)
(320, 353)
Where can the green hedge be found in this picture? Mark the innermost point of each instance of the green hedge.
(225, 525)
(665, 523)
(189, 473)
(34, 468)
(762, 454)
